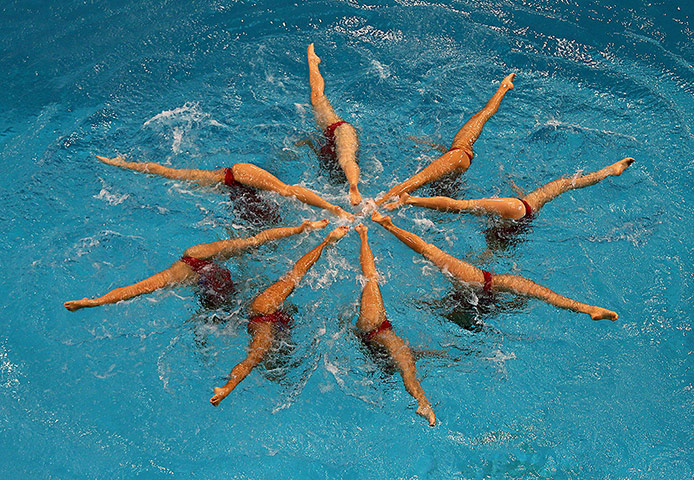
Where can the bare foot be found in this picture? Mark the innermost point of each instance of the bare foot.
(220, 393)
(337, 234)
(380, 219)
(73, 305)
(428, 413)
(309, 225)
(398, 203)
(616, 169)
(599, 313)
(361, 230)
(344, 214)
(116, 161)
(313, 59)
(354, 195)
(507, 82)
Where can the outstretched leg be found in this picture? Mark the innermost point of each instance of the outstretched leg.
(523, 286)
(537, 198)
(402, 357)
(222, 250)
(177, 273)
(243, 173)
(372, 315)
(268, 302)
(201, 177)
(467, 273)
(346, 142)
(322, 109)
(459, 156)
(262, 336)
(463, 271)
(449, 162)
(256, 177)
(502, 207)
(271, 299)
(472, 129)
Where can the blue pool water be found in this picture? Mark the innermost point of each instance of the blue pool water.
(535, 392)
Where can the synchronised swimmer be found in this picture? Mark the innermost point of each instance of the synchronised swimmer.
(202, 265)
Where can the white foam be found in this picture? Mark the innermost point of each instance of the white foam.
(111, 198)
(9, 371)
(180, 122)
(552, 122)
(383, 71)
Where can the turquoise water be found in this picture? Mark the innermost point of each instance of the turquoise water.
(534, 392)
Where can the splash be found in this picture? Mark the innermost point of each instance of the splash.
(182, 124)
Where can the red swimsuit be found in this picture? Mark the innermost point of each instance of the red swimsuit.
(229, 177)
(251, 207)
(528, 209)
(385, 325)
(328, 150)
(487, 281)
(278, 318)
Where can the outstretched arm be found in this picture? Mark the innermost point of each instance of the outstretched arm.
(176, 273)
(201, 177)
(222, 250)
(261, 341)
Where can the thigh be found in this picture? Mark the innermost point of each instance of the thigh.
(253, 176)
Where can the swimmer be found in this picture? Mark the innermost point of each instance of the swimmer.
(514, 208)
(457, 159)
(267, 317)
(239, 173)
(375, 328)
(199, 263)
(341, 141)
(469, 274)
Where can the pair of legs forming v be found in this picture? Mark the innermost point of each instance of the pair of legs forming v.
(514, 208)
(341, 136)
(182, 273)
(467, 273)
(346, 145)
(457, 159)
(375, 327)
(242, 173)
(265, 315)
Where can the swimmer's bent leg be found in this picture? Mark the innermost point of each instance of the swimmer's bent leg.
(447, 163)
(461, 270)
(272, 297)
(222, 250)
